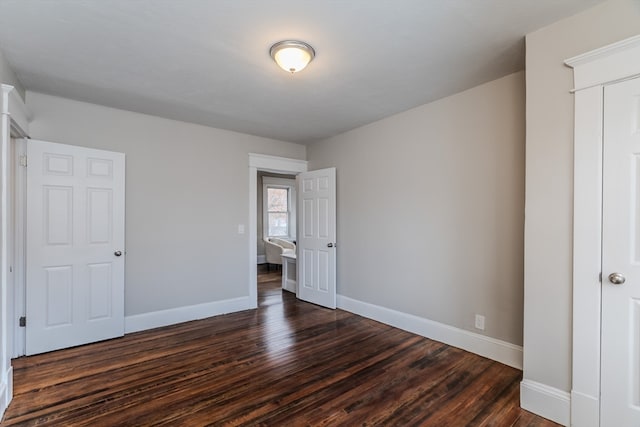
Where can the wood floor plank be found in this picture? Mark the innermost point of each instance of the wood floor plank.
(286, 363)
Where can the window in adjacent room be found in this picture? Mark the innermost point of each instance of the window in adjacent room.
(278, 200)
(278, 211)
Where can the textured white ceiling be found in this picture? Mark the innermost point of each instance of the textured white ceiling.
(207, 61)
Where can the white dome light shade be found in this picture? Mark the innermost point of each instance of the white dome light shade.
(291, 55)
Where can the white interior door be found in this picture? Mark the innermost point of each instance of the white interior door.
(620, 371)
(75, 246)
(316, 245)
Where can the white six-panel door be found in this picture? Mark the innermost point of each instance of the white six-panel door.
(75, 246)
(620, 374)
(316, 245)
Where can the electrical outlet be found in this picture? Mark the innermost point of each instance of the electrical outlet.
(480, 322)
(240, 228)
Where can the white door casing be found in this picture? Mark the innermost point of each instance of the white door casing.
(620, 372)
(14, 122)
(19, 267)
(75, 230)
(263, 162)
(316, 245)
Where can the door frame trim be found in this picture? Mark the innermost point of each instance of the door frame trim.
(20, 256)
(592, 71)
(14, 122)
(262, 162)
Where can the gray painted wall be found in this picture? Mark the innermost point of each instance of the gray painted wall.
(7, 76)
(549, 178)
(187, 190)
(431, 209)
(451, 175)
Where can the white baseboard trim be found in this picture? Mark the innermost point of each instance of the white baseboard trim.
(262, 259)
(6, 392)
(501, 351)
(3, 399)
(585, 410)
(548, 402)
(157, 319)
(9, 384)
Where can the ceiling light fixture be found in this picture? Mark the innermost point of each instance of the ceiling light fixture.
(292, 55)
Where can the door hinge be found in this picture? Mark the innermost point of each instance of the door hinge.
(22, 321)
(600, 277)
(23, 160)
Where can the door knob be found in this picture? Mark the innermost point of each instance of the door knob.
(117, 253)
(616, 278)
(329, 245)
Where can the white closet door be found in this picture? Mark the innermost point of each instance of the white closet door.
(75, 246)
(620, 374)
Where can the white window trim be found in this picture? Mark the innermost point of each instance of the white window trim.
(290, 184)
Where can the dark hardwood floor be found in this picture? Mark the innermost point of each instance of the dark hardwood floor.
(287, 363)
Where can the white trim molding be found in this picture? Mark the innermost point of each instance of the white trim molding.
(606, 65)
(13, 122)
(20, 257)
(172, 316)
(265, 163)
(6, 391)
(20, 114)
(592, 71)
(275, 164)
(585, 410)
(500, 351)
(546, 401)
(4, 400)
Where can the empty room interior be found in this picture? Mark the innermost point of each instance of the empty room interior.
(357, 212)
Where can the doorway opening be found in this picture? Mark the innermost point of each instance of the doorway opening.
(278, 168)
(276, 217)
(269, 286)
